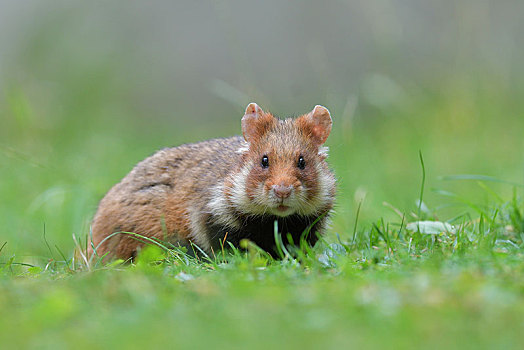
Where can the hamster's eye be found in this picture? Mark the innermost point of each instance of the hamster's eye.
(301, 163)
(265, 161)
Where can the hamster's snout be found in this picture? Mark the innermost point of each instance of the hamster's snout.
(282, 191)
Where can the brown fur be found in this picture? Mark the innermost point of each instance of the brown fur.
(196, 192)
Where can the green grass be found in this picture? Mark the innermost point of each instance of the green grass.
(374, 281)
(386, 287)
(387, 284)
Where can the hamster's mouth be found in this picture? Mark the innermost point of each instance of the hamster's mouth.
(282, 208)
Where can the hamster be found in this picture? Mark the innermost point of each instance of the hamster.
(225, 189)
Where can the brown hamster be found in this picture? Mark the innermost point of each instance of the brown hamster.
(232, 188)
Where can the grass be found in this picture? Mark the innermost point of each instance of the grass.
(417, 256)
(388, 284)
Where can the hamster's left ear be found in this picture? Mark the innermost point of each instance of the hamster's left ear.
(317, 124)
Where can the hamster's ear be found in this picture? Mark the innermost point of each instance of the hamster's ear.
(255, 122)
(316, 124)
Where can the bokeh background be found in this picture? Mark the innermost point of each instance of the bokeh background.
(88, 89)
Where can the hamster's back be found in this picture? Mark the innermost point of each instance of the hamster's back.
(159, 195)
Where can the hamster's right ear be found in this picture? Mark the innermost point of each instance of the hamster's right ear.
(255, 122)
(317, 124)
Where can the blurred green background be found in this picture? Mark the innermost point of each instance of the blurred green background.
(88, 89)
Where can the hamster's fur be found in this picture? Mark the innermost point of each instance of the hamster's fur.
(232, 188)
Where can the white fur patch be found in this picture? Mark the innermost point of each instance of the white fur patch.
(198, 233)
(239, 197)
(261, 204)
(323, 151)
(223, 208)
(220, 208)
(326, 182)
(244, 148)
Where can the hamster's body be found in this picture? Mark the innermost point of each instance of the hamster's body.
(232, 188)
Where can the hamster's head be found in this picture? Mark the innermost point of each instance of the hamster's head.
(283, 169)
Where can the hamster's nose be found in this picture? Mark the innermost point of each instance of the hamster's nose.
(282, 191)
